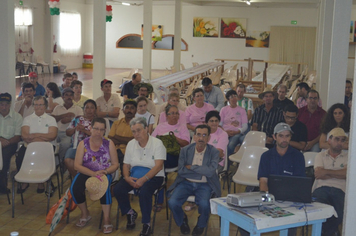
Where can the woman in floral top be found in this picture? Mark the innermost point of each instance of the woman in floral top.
(96, 156)
(80, 124)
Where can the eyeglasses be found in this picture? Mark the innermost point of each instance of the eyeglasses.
(38, 105)
(173, 113)
(97, 129)
(201, 135)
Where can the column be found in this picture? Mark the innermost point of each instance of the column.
(177, 34)
(147, 42)
(99, 12)
(48, 38)
(7, 48)
(332, 50)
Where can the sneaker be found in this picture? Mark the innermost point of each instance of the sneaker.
(146, 230)
(197, 231)
(184, 228)
(131, 220)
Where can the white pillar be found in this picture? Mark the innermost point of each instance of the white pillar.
(7, 48)
(332, 50)
(48, 38)
(99, 12)
(177, 33)
(147, 42)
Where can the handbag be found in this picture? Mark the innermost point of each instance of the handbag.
(139, 171)
(170, 143)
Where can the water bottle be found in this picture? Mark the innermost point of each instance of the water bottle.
(14, 234)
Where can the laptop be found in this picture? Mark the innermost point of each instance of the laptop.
(290, 188)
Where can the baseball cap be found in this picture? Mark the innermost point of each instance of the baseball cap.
(280, 127)
(32, 74)
(337, 132)
(105, 81)
(5, 97)
(67, 90)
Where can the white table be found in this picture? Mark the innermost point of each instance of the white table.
(256, 223)
(274, 74)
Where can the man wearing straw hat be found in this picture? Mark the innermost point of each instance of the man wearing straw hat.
(266, 116)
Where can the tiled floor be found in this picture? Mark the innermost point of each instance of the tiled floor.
(30, 217)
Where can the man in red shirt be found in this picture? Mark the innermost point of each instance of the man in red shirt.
(311, 115)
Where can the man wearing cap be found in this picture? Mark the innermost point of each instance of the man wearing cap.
(303, 89)
(120, 132)
(330, 169)
(67, 80)
(10, 135)
(280, 160)
(25, 106)
(266, 116)
(128, 89)
(281, 101)
(311, 115)
(39, 89)
(143, 90)
(109, 104)
(64, 114)
(212, 94)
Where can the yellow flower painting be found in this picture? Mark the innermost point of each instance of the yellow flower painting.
(205, 27)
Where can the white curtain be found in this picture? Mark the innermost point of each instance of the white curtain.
(23, 16)
(23, 33)
(70, 33)
(293, 44)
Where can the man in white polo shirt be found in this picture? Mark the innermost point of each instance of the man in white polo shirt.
(64, 114)
(37, 127)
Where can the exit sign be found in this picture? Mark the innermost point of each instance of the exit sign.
(293, 22)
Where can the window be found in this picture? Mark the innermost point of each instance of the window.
(70, 37)
(23, 16)
(23, 32)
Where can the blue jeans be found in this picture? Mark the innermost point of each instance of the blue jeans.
(70, 153)
(202, 193)
(144, 194)
(336, 198)
(233, 141)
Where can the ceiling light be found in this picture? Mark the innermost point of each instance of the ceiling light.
(125, 3)
(248, 2)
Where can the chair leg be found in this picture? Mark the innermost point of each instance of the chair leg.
(170, 224)
(13, 197)
(49, 193)
(21, 194)
(117, 217)
(154, 215)
(68, 210)
(165, 196)
(58, 186)
(101, 219)
(8, 196)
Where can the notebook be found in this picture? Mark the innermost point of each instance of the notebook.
(290, 188)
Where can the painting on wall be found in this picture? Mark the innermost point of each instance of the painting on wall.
(257, 39)
(351, 38)
(233, 28)
(157, 32)
(205, 27)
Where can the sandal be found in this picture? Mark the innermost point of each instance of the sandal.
(83, 222)
(107, 229)
(190, 207)
(157, 208)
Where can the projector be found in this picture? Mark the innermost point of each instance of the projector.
(249, 199)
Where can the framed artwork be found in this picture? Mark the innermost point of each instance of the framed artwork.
(257, 39)
(157, 32)
(205, 27)
(351, 38)
(233, 28)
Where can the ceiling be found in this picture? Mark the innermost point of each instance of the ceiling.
(233, 3)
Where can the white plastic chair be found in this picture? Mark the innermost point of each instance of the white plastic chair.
(253, 138)
(246, 174)
(1, 166)
(37, 167)
(107, 131)
(309, 158)
(42, 64)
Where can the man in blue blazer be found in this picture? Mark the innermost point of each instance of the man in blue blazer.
(197, 176)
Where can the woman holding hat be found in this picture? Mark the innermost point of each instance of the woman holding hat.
(95, 157)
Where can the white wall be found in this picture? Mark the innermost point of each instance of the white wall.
(129, 19)
(351, 62)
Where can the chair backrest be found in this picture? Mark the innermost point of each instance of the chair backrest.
(107, 131)
(253, 138)
(309, 158)
(1, 164)
(173, 69)
(182, 66)
(195, 64)
(246, 174)
(39, 156)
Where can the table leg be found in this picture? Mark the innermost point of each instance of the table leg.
(316, 229)
(224, 228)
(283, 232)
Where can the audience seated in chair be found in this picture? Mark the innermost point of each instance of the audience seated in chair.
(142, 111)
(78, 98)
(212, 94)
(39, 89)
(172, 90)
(173, 100)
(244, 102)
(142, 172)
(10, 129)
(25, 106)
(197, 176)
(144, 90)
(303, 89)
(37, 127)
(67, 80)
(54, 96)
(128, 89)
(281, 101)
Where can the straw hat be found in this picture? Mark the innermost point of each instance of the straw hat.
(97, 186)
(266, 90)
(145, 85)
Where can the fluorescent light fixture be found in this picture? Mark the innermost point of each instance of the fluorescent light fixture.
(248, 2)
(126, 3)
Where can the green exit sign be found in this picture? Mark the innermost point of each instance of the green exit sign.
(293, 22)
